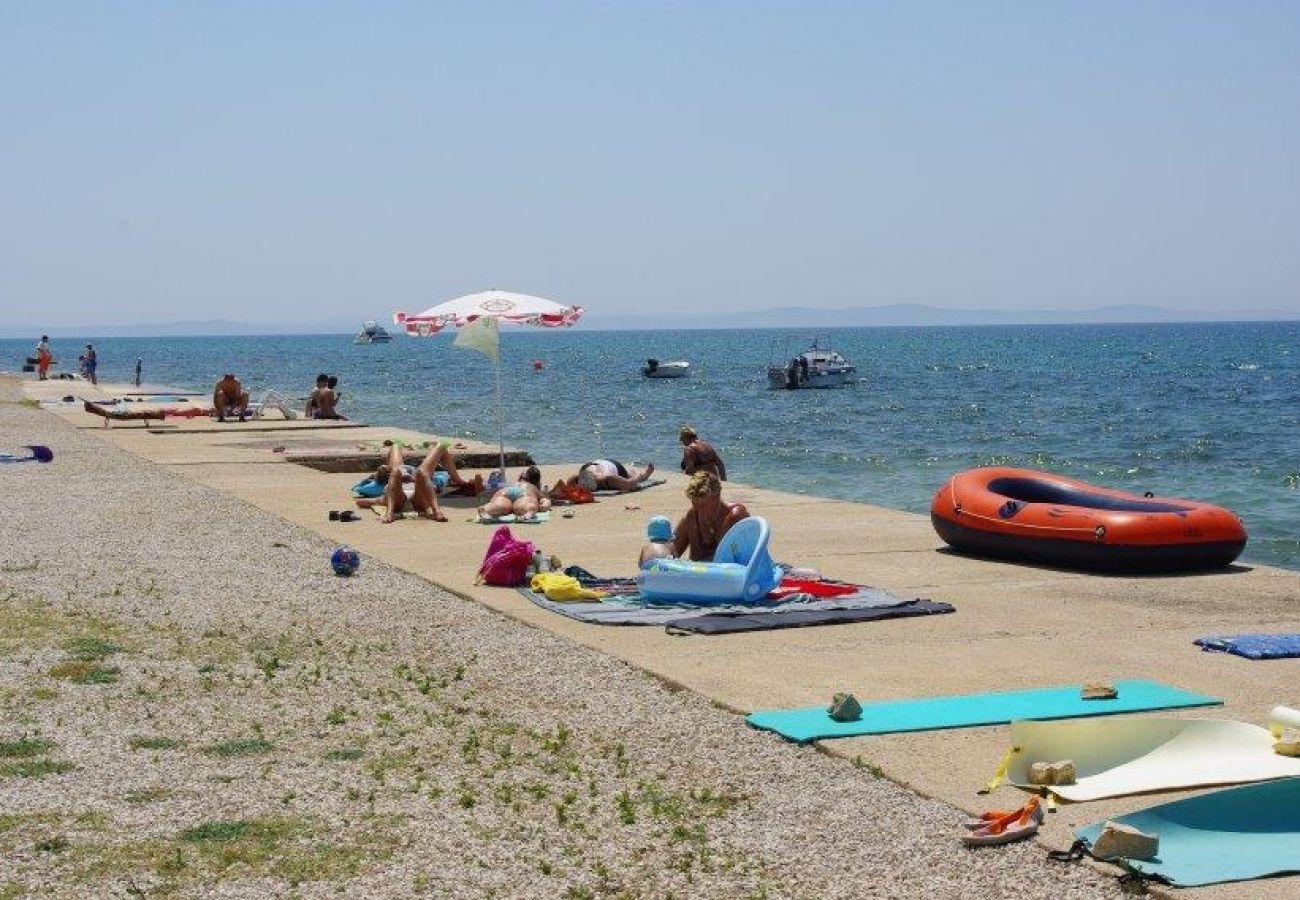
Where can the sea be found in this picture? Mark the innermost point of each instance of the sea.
(1203, 411)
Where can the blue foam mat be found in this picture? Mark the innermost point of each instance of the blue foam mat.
(1253, 646)
(968, 710)
(1231, 835)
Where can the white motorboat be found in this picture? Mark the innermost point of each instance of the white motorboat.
(818, 366)
(372, 333)
(653, 368)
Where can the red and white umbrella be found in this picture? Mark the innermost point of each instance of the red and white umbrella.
(479, 315)
(514, 309)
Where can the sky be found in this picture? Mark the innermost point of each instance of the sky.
(297, 161)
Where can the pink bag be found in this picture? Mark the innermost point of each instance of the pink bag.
(507, 559)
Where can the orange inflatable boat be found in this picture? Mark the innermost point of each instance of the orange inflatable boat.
(1040, 517)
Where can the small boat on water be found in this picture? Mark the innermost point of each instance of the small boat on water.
(1022, 514)
(372, 333)
(818, 366)
(653, 368)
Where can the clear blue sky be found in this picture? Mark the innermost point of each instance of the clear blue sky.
(268, 161)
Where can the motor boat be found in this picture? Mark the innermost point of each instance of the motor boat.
(372, 333)
(653, 368)
(818, 366)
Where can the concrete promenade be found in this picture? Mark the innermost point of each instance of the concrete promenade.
(1015, 626)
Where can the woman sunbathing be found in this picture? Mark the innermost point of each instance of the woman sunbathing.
(395, 475)
(523, 499)
(700, 531)
(602, 474)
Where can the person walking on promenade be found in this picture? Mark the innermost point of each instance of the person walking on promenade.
(43, 357)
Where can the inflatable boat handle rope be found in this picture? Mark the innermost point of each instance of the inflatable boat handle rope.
(1099, 531)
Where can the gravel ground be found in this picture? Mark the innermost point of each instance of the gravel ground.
(258, 727)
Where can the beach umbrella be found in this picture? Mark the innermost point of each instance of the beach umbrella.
(478, 318)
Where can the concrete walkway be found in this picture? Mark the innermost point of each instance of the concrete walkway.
(1015, 626)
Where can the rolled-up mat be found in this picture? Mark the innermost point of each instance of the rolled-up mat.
(1282, 718)
(1231, 835)
(1118, 757)
(968, 710)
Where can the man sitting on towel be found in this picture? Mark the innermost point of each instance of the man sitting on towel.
(395, 475)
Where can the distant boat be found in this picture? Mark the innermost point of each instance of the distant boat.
(818, 366)
(653, 368)
(372, 333)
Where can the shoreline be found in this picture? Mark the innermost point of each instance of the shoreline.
(1014, 627)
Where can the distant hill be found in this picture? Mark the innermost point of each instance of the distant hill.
(779, 317)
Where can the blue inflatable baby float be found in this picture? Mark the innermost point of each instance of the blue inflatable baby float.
(345, 561)
(741, 571)
(368, 487)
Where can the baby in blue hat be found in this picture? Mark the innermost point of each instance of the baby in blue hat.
(659, 533)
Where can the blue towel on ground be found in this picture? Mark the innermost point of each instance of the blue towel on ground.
(1253, 646)
(1233, 835)
(968, 710)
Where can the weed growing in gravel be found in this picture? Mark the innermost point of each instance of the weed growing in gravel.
(54, 844)
(25, 747)
(345, 754)
(152, 742)
(146, 795)
(80, 671)
(239, 747)
(35, 768)
(20, 568)
(90, 649)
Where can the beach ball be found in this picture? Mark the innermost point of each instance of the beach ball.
(345, 561)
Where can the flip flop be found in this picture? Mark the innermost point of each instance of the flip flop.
(1013, 826)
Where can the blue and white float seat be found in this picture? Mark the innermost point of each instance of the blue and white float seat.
(741, 571)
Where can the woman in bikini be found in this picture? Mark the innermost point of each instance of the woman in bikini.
(701, 529)
(524, 499)
(698, 455)
(424, 494)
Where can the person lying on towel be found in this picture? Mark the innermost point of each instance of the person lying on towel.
(700, 531)
(602, 475)
(395, 475)
(524, 499)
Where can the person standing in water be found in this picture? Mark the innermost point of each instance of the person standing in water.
(139, 366)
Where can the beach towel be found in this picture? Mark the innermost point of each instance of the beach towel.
(512, 519)
(648, 483)
(1253, 646)
(1234, 835)
(813, 723)
(734, 623)
(624, 606)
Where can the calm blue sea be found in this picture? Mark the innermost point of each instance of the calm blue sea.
(1202, 411)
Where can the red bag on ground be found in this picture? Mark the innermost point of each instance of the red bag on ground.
(506, 562)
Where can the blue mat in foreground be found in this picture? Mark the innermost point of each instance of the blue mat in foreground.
(1232, 835)
(967, 710)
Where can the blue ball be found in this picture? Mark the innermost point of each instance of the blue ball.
(345, 561)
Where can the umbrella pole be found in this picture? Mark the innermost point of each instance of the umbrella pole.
(501, 426)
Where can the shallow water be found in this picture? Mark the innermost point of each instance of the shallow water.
(1202, 411)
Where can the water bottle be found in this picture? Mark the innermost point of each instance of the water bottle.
(538, 562)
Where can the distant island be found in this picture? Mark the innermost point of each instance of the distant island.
(895, 315)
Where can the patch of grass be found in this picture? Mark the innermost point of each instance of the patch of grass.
(152, 742)
(12, 890)
(25, 748)
(35, 768)
(218, 832)
(345, 754)
(239, 747)
(43, 693)
(90, 649)
(54, 844)
(81, 671)
(19, 568)
(146, 795)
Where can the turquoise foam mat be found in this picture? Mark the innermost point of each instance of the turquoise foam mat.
(968, 710)
(1237, 834)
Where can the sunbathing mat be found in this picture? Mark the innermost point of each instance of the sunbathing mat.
(1232, 835)
(632, 609)
(968, 710)
(648, 483)
(1253, 646)
(1118, 757)
(512, 519)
